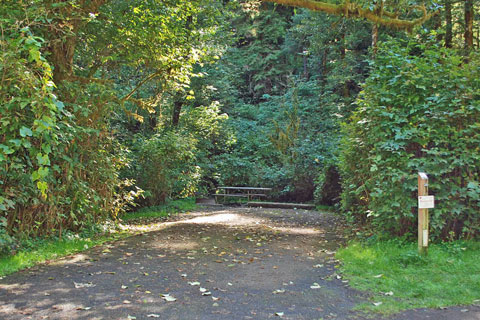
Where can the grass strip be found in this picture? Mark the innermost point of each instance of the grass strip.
(400, 279)
(48, 249)
(40, 250)
(170, 208)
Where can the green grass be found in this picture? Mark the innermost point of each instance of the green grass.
(323, 207)
(449, 275)
(47, 249)
(171, 207)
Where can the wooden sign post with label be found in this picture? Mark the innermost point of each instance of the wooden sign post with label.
(425, 202)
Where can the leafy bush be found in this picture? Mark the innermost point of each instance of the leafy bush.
(57, 170)
(419, 111)
(165, 166)
(25, 140)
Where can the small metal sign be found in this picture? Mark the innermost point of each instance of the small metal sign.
(426, 202)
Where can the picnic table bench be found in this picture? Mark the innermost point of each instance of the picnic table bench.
(240, 192)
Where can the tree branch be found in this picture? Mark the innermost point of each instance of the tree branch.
(150, 77)
(353, 10)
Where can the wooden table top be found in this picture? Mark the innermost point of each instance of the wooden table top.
(245, 188)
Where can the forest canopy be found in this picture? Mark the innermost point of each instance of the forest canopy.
(107, 105)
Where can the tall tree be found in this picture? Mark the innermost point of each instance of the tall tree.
(448, 24)
(469, 24)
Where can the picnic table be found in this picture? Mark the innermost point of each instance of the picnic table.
(241, 192)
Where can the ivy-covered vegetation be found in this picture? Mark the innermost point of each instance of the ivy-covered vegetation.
(106, 105)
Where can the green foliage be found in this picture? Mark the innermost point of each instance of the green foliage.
(401, 279)
(165, 166)
(96, 96)
(26, 89)
(57, 171)
(285, 86)
(257, 64)
(267, 153)
(29, 115)
(208, 125)
(6, 241)
(419, 111)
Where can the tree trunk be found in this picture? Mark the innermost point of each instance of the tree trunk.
(323, 67)
(437, 25)
(305, 66)
(62, 57)
(343, 54)
(478, 38)
(448, 22)
(63, 38)
(469, 24)
(177, 109)
(374, 39)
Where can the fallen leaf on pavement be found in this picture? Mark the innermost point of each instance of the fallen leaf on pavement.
(84, 308)
(79, 285)
(315, 286)
(168, 298)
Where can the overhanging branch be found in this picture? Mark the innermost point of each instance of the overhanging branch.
(150, 77)
(352, 10)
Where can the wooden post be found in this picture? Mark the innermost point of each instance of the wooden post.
(422, 215)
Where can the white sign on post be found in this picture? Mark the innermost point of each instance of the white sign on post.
(423, 175)
(425, 238)
(426, 202)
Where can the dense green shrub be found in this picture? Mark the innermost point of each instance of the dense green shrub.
(165, 166)
(57, 169)
(28, 114)
(419, 111)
